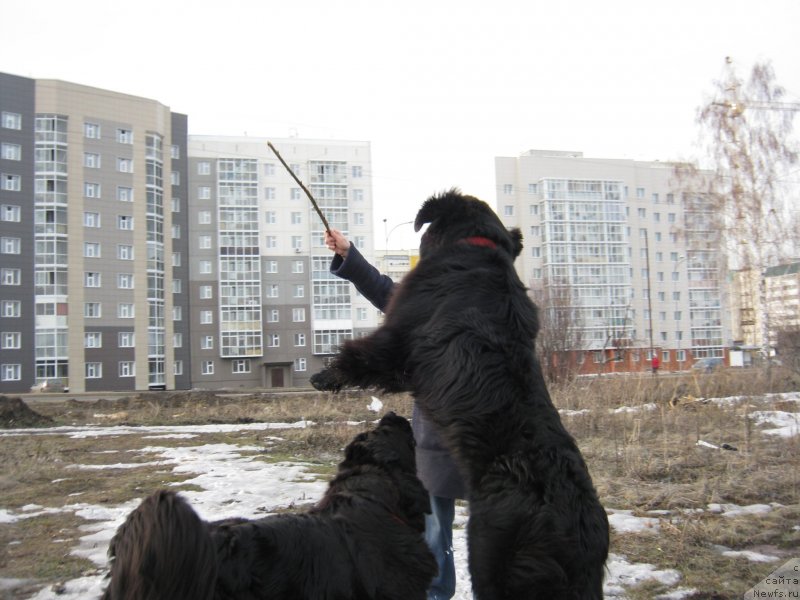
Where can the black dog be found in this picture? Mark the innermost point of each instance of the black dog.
(363, 540)
(459, 333)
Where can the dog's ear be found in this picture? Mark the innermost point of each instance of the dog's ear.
(516, 240)
(437, 206)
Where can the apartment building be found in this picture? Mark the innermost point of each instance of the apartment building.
(266, 311)
(134, 258)
(762, 304)
(91, 204)
(633, 258)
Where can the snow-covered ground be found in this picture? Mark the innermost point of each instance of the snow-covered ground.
(234, 483)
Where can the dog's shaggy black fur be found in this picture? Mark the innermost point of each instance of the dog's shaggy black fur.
(459, 333)
(363, 540)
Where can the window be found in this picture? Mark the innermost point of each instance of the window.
(11, 340)
(297, 242)
(204, 192)
(11, 309)
(299, 291)
(175, 178)
(207, 367)
(125, 222)
(9, 245)
(91, 219)
(206, 267)
(241, 365)
(125, 136)
(362, 314)
(94, 370)
(297, 218)
(204, 168)
(125, 339)
(206, 317)
(11, 120)
(125, 252)
(298, 266)
(294, 194)
(11, 151)
(642, 212)
(269, 169)
(204, 217)
(11, 183)
(91, 160)
(273, 315)
(298, 315)
(125, 281)
(91, 131)
(271, 217)
(299, 339)
(358, 195)
(174, 151)
(91, 190)
(508, 189)
(177, 367)
(271, 241)
(206, 292)
(271, 266)
(300, 364)
(508, 210)
(640, 192)
(177, 340)
(357, 171)
(91, 279)
(10, 213)
(127, 368)
(273, 340)
(93, 339)
(125, 194)
(176, 259)
(269, 193)
(11, 372)
(92, 310)
(177, 313)
(126, 310)
(207, 343)
(204, 242)
(9, 276)
(176, 232)
(91, 249)
(358, 218)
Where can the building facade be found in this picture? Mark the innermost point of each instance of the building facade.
(266, 311)
(628, 256)
(91, 203)
(777, 292)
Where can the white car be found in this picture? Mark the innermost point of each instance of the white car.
(49, 385)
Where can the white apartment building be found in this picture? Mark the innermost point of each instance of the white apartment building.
(629, 250)
(266, 311)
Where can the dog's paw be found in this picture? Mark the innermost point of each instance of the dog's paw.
(326, 381)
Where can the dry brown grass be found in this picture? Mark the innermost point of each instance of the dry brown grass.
(642, 460)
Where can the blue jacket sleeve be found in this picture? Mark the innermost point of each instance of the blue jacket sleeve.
(374, 286)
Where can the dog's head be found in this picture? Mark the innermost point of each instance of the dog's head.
(389, 445)
(455, 218)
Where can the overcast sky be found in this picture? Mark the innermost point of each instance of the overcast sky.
(439, 87)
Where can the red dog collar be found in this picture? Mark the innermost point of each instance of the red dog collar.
(478, 240)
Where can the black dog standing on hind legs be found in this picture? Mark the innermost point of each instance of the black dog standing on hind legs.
(459, 334)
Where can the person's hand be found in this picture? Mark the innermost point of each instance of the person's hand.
(336, 242)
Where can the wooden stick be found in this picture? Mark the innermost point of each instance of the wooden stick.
(305, 189)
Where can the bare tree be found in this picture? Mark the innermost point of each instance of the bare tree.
(746, 127)
(788, 346)
(560, 332)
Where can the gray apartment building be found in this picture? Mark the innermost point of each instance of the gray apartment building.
(136, 257)
(632, 254)
(267, 312)
(92, 207)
